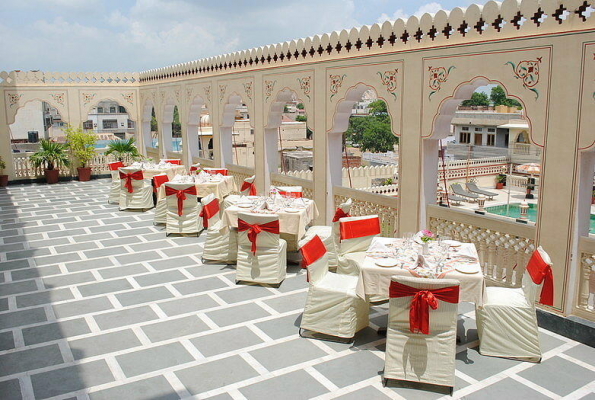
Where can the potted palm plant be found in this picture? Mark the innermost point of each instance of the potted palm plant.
(500, 181)
(120, 148)
(82, 148)
(3, 178)
(51, 156)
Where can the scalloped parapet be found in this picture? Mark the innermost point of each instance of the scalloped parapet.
(68, 78)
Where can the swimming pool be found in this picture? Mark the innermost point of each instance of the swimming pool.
(176, 144)
(513, 210)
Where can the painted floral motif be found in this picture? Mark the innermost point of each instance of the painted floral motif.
(177, 94)
(528, 73)
(58, 98)
(129, 97)
(248, 89)
(207, 90)
(88, 97)
(389, 79)
(222, 89)
(438, 75)
(188, 95)
(13, 99)
(305, 85)
(336, 82)
(268, 88)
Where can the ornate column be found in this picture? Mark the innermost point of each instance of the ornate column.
(321, 174)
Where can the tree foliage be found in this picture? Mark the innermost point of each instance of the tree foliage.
(301, 118)
(81, 144)
(122, 147)
(372, 132)
(50, 155)
(176, 126)
(153, 120)
(498, 97)
(477, 99)
(300, 106)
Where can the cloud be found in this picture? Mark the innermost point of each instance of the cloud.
(431, 8)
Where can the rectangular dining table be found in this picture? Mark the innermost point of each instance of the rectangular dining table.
(219, 187)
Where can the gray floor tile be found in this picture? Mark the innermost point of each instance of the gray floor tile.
(11, 390)
(507, 388)
(6, 341)
(86, 265)
(32, 273)
(16, 264)
(106, 228)
(49, 296)
(233, 315)
(281, 327)
(225, 341)
(92, 236)
(352, 368)
(73, 232)
(174, 328)
(569, 376)
(138, 257)
(94, 289)
(80, 307)
(55, 331)
(215, 374)
(288, 303)
(20, 318)
(292, 386)
(479, 367)
(126, 270)
(133, 232)
(14, 255)
(70, 379)
(362, 337)
(583, 353)
(187, 304)
(243, 293)
(144, 296)
(288, 353)
(548, 342)
(6, 289)
(116, 319)
(210, 269)
(160, 277)
(154, 358)
(295, 283)
(170, 263)
(68, 279)
(156, 388)
(105, 252)
(120, 241)
(103, 344)
(30, 359)
(69, 248)
(158, 244)
(183, 250)
(199, 285)
(60, 258)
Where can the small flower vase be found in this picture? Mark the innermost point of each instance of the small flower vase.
(425, 249)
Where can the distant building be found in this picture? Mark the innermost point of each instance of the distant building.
(109, 120)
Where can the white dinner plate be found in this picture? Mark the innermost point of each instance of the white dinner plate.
(244, 205)
(387, 262)
(466, 268)
(292, 210)
(453, 243)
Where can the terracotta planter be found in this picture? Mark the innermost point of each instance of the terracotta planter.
(499, 185)
(51, 175)
(3, 180)
(592, 198)
(84, 174)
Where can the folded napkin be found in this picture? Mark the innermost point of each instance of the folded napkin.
(465, 250)
(378, 246)
(299, 203)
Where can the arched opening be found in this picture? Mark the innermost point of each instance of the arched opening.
(480, 156)
(171, 131)
(236, 134)
(200, 130)
(149, 126)
(34, 121)
(110, 121)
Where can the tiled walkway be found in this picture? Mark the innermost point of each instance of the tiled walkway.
(97, 303)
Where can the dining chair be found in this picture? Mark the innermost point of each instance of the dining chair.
(114, 193)
(355, 236)
(221, 243)
(182, 208)
(160, 216)
(135, 191)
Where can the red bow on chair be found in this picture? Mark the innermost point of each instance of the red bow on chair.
(137, 176)
(250, 186)
(541, 272)
(311, 252)
(419, 313)
(359, 228)
(181, 195)
(208, 211)
(293, 195)
(340, 214)
(254, 230)
(115, 165)
(193, 168)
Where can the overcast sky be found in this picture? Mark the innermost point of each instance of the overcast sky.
(136, 35)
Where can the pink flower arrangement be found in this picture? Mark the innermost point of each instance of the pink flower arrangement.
(427, 236)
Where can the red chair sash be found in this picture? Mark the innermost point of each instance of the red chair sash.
(312, 251)
(208, 211)
(174, 161)
(114, 166)
(193, 168)
(137, 176)
(419, 313)
(340, 214)
(159, 180)
(359, 228)
(250, 186)
(254, 230)
(541, 272)
(293, 195)
(181, 195)
(222, 171)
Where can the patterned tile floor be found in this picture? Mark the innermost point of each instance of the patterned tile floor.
(97, 303)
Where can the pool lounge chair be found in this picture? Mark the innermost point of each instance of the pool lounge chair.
(454, 199)
(473, 188)
(459, 191)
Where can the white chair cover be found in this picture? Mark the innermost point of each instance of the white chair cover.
(221, 243)
(330, 234)
(141, 196)
(114, 193)
(188, 222)
(248, 188)
(507, 319)
(332, 306)
(160, 216)
(268, 264)
(356, 241)
(419, 357)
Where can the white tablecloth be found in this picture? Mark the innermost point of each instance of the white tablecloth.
(293, 223)
(220, 189)
(171, 171)
(375, 280)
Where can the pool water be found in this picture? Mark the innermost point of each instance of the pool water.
(176, 144)
(514, 211)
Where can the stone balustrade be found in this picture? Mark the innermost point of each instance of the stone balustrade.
(585, 300)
